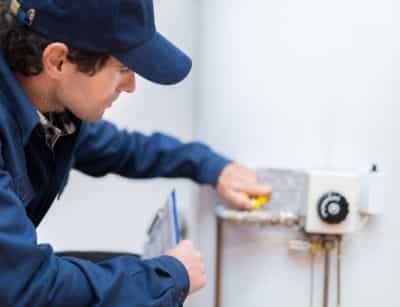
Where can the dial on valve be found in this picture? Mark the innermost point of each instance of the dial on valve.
(333, 208)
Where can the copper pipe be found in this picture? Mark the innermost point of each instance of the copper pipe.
(218, 265)
(326, 276)
(338, 272)
(329, 245)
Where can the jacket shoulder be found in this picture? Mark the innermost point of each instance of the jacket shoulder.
(5, 113)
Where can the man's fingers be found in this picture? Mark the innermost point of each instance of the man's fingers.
(247, 175)
(256, 189)
(236, 172)
(239, 200)
(238, 185)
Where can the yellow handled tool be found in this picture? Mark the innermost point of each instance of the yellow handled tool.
(257, 201)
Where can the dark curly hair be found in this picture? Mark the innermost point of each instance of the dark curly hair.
(23, 49)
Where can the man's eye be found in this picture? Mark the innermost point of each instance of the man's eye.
(124, 70)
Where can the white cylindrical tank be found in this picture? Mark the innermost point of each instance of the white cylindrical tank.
(299, 84)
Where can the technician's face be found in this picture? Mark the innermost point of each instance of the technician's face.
(87, 97)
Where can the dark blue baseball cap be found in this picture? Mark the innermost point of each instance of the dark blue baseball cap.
(124, 29)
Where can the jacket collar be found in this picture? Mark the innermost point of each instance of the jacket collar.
(17, 101)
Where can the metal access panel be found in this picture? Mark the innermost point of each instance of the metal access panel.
(326, 202)
(290, 189)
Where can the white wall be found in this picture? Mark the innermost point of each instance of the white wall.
(286, 83)
(304, 84)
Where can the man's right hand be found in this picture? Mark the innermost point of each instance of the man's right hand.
(192, 260)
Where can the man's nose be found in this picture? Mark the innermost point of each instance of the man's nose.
(128, 84)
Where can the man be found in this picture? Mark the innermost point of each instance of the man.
(62, 63)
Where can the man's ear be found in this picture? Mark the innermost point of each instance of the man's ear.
(54, 59)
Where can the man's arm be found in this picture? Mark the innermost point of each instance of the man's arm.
(102, 149)
(32, 275)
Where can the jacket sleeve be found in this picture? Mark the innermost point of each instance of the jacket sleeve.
(32, 275)
(102, 149)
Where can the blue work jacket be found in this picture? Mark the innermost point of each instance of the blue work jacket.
(31, 177)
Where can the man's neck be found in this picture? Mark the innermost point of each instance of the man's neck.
(38, 91)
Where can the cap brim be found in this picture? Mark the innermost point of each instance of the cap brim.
(157, 60)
